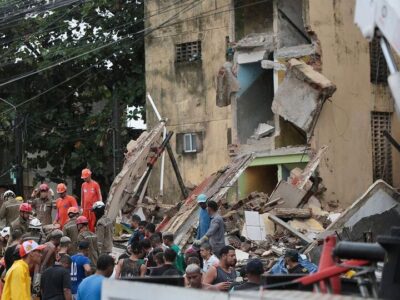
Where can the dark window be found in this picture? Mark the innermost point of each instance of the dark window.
(379, 68)
(381, 148)
(188, 52)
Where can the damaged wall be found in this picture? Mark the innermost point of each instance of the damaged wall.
(185, 92)
(344, 124)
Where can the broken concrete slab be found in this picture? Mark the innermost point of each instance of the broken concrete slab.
(290, 194)
(263, 130)
(301, 95)
(122, 194)
(375, 212)
(227, 85)
(310, 168)
(256, 40)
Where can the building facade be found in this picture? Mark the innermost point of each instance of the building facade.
(214, 67)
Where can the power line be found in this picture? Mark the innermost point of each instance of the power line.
(85, 70)
(28, 74)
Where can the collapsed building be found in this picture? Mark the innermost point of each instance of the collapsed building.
(241, 77)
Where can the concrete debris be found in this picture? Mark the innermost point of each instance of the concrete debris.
(290, 213)
(270, 64)
(227, 85)
(289, 193)
(263, 130)
(374, 213)
(123, 191)
(301, 95)
(256, 40)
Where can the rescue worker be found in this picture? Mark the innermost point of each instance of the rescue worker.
(10, 208)
(4, 236)
(82, 223)
(90, 193)
(63, 203)
(70, 230)
(42, 205)
(35, 230)
(104, 229)
(22, 222)
(50, 252)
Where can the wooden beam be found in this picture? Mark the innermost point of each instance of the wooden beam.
(289, 213)
(285, 225)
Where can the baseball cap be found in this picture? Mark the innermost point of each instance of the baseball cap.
(83, 245)
(29, 246)
(255, 267)
(202, 198)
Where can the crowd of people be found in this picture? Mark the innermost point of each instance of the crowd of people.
(71, 258)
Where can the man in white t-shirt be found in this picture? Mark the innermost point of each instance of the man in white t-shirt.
(209, 259)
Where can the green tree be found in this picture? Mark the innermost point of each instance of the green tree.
(70, 126)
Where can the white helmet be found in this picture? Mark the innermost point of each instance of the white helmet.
(97, 205)
(5, 231)
(35, 223)
(8, 194)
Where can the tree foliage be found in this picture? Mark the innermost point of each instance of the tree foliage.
(70, 126)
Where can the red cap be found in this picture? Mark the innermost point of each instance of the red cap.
(82, 220)
(25, 207)
(43, 187)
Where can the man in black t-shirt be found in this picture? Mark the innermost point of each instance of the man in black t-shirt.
(55, 282)
(167, 269)
(292, 262)
(254, 270)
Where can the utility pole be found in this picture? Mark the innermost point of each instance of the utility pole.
(19, 168)
(19, 187)
(116, 134)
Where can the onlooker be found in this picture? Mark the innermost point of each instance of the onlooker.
(254, 270)
(145, 244)
(194, 276)
(55, 282)
(70, 229)
(292, 262)
(216, 232)
(149, 230)
(167, 268)
(209, 259)
(225, 272)
(142, 228)
(155, 241)
(136, 236)
(133, 266)
(18, 280)
(90, 287)
(168, 240)
(204, 217)
(11, 254)
(80, 267)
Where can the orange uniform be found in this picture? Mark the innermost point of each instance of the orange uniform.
(62, 208)
(90, 194)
